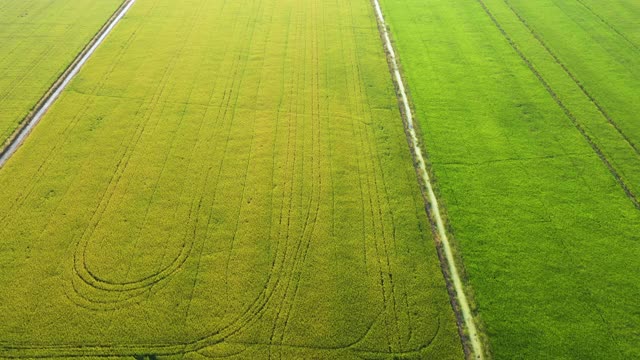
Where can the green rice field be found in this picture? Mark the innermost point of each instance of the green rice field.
(528, 113)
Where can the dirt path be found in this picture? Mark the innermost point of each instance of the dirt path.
(56, 89)
(461, 298)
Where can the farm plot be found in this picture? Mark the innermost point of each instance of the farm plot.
(621, 16)
(38, 40)
(594, 74)
(223, 179)
(535, 178)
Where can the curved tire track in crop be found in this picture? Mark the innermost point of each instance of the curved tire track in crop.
(81, 268)
(283, 281)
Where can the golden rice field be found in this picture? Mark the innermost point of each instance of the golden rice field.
(38, 39)
(223, 179)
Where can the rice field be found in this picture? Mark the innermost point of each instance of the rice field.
(528, 113)
(223, 179)
(242, 180)
(38, 40)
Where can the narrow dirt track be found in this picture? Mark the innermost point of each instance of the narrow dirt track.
(461, 298)
(56, 89)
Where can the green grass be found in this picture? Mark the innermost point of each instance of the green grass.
(223, 179)
(38, 40)
(548, 236)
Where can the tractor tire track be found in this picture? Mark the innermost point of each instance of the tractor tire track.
(157, 273)
(223, 107)
(382, 200)
(208, 173)
(310, 220)
(250, 149)
(302, 245)
(371, 196)
(289, 174)
(80, 254)
(83, 271)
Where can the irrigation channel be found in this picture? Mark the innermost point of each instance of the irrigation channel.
(56, 89)
(461, 298)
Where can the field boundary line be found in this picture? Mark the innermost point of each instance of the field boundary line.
(468, 322)
(11, 145)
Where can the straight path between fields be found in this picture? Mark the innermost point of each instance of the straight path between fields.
(433, 206)
(56, 89)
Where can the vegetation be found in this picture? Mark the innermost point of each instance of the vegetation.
(223, 179)
(38, 40)
(528, 111)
